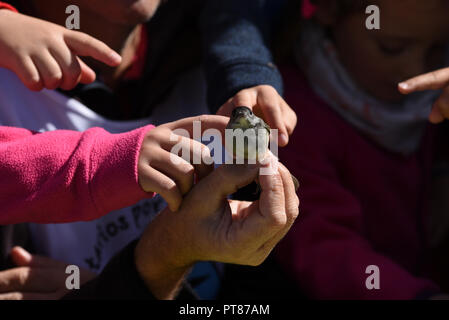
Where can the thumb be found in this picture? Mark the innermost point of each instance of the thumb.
(22, 258)
(434, 80)
(225, 180)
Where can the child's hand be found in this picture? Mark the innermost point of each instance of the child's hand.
(435, 80)
(162, 170)
(266, 103)
(36, 277)
(44, 55)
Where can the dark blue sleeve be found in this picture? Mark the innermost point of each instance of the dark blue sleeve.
(236, 39)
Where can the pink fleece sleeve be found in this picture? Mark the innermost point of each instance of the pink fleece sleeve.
(66, 176)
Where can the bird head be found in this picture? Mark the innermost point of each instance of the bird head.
(241, 117)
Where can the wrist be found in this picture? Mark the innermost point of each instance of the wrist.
(161, 258)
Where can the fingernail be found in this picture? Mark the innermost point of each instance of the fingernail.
(25, 254)
(207, 159)
(283, 139)
(115, 57)
(404, 85)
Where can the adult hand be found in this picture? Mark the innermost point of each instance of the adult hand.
(435, 80)
(208, 227)
(36, 278)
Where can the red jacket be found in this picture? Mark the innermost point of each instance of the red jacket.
(4, 5)
(360, 206)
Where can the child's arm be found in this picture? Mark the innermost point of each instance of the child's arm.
(239, 65)
(66, 176)
(45, 55)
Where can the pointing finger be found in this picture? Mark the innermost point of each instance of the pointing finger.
(434, 80)
(84, 45)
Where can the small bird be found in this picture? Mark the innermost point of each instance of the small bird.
(243, 118)
(250, 147)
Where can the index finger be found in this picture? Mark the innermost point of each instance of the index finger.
(84, 45)
(23, 258)
(434, 80)
(27, 279)
(204, 123)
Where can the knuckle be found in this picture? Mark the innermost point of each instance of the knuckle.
(49, 39)
(204, 118)
(53, 80)
(434, 75)
(244, 92)
(154, 136)
(206, 155)
(297, 204)
(293, 117)
(168, 186)
(294, 210)
(73, 71)
(245, 97)
(242, 257)
(55, 76)
(142, 166)
(187, 170)
(83, 38)
(267, 88)
(276, 185)
(271, 106)
(277, 220)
